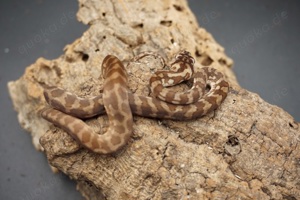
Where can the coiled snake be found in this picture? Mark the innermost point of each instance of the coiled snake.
(120, 103)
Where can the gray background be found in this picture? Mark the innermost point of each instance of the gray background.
(262, 37)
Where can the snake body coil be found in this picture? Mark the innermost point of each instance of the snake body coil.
(120, 103)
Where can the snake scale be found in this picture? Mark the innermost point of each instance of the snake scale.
(119, 103)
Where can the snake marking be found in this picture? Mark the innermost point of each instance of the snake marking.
(119, 103)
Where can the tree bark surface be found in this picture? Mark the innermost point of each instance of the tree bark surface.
(246, 149)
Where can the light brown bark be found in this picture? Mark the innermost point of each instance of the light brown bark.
(246, 149)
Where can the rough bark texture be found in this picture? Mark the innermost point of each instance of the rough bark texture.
(246, 149)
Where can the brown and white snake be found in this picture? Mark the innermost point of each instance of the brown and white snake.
(120, 103)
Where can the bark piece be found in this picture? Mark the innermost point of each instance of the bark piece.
(246, 149)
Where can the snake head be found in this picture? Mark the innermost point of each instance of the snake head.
(183, 57)
(108, 63)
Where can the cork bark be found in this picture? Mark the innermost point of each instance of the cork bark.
(246, 149)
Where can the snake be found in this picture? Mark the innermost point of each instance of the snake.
(68, 111)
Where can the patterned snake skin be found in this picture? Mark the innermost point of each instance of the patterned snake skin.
(120, 103)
